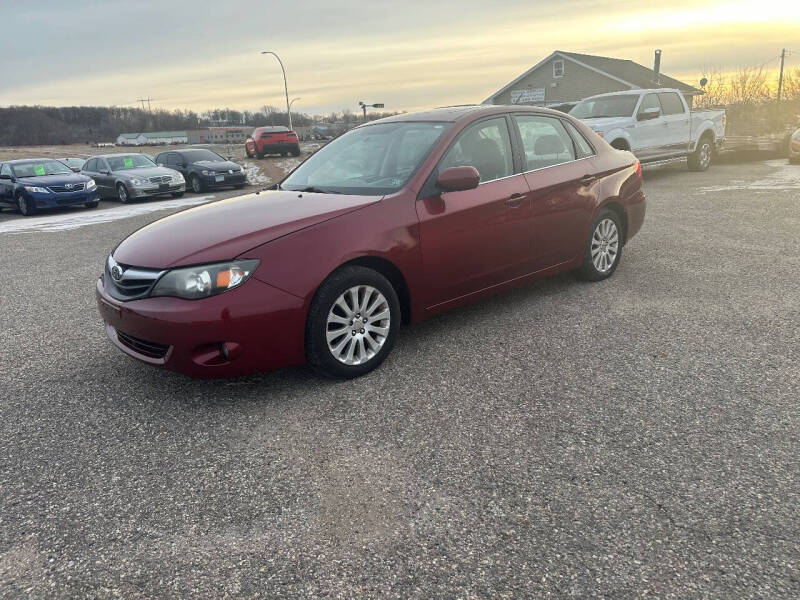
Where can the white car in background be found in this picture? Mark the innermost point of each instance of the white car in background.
(657, 125)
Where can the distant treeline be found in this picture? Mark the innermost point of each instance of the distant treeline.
(40, 125)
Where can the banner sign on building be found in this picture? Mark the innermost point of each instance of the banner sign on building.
(527, 96)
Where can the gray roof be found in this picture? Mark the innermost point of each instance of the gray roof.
(624, 71)
(629, 71)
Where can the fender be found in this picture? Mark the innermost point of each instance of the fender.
(619, 133)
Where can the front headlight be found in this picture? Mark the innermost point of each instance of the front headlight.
(207, 173)
(91, 184)
(36, 190)
(136, 182)
(179, 178)
(206, 280)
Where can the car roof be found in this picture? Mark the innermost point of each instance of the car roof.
(453, 114)
(118, 154)
(24, 160)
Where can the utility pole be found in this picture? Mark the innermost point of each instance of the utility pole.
(780, 77)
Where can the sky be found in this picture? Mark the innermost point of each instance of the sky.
(408, 54)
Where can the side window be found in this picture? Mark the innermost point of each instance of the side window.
(5, 170)
(672, 103)
(101, 166)
(558, 68)
(584, 147)
(649, 101)
(91, 166)
(486, 146)
(545, 141)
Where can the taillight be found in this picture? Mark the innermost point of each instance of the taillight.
(638, 167)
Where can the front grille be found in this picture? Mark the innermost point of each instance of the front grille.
(161, 179)
(133, 282)
(149, 349)
(60, 189)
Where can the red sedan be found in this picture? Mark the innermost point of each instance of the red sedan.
(394, 221)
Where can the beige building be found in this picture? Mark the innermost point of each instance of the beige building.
(567, 78)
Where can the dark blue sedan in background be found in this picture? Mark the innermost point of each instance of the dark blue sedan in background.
(32, 184)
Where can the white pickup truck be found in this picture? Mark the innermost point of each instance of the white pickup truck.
(656, 125)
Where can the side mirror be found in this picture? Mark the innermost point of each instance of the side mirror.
(649, 113)
(5, 176)
(107, 172)
(458, 179)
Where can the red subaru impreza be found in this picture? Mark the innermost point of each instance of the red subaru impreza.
(394, 221)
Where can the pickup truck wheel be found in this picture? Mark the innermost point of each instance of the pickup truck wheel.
(352, 323)
(700, 159)
(25, 206)
(603, 248)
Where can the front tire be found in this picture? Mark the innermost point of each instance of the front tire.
(92, 204)
(603, 249)
(197, 185)
(122, 193)
(700, 159)
(25, 205)
(352, 323)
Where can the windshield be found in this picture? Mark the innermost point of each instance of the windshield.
(38, 168)
(374, 160)
(606, 106)
(201, 156)
(129, 161)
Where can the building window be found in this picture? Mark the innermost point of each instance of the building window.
(558, 68)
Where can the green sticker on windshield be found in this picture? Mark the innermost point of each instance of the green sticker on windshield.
(38, 169)
(128, 162)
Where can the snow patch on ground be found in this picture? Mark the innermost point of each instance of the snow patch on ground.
(785, 177)
(73, 220)
(254, 174)
(288, 164)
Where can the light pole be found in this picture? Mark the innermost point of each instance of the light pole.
(365, 106)
(285, 86)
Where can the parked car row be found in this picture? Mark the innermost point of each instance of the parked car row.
(35, 184)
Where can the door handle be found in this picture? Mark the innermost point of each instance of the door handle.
(587, 179)
(514, 200)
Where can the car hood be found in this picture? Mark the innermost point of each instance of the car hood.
(48, 180)
(144, 172)
(224, 230)
(605, 123)
(218, 167)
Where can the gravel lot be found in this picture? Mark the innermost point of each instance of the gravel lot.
(636, 437)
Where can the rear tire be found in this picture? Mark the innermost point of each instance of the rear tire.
(177, 194)
(238, 186)
(700, 159)
(259, 155)
(296, 152)
(352, 323)
(603, 249)
(122, 193)
(25, 206)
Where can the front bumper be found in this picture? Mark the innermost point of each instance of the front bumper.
(156, 190)
(221, 336)
(58, 199)
(794, 150)
(227, 179)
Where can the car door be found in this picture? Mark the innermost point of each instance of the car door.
(476, 238)
(560, 175)
(649, 133)
(6, 185)
(176, 162)
(105, 178)
(676, 123)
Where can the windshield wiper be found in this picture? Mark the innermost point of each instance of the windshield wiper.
(316, 190)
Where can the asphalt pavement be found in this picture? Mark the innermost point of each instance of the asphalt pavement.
(629, 438)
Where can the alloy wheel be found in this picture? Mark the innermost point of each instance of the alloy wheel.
(358, 325)
(605, 245)
(705, 155)
(123, 194)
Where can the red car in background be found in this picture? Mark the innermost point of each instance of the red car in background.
(272, 140)
(392, 222)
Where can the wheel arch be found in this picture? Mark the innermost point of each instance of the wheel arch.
(389, 270)
(616, 206)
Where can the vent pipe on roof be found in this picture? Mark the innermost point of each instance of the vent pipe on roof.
(657, 68)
